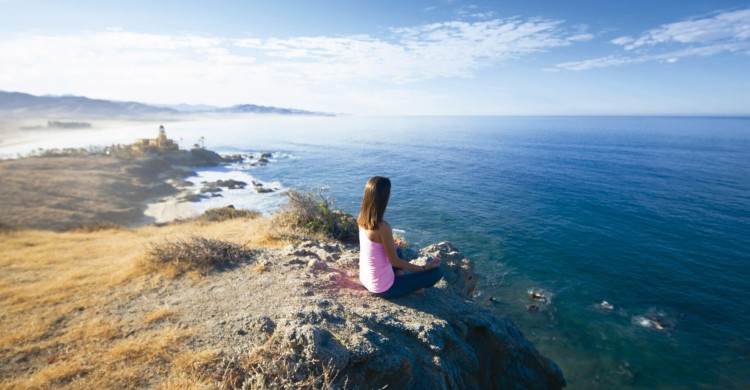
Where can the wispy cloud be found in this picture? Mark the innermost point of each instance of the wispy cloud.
(473, 11)
(723, 32)
(449, 49)
(161, 67)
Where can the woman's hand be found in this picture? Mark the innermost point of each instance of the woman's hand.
(432, 264)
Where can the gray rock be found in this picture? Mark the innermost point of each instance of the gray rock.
(229, 184)
(192, 197)
(317, 265)
(317, 345)
(210, 189)
(439, 340)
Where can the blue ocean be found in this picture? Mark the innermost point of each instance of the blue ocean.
(635, 231)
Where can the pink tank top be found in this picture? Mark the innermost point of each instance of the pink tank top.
(375, 271)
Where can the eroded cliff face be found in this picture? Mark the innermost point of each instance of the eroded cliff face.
(439, 340)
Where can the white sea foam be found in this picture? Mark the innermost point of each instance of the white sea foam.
(540, 295)
(643, 321)
(245, 198)
(648, 322)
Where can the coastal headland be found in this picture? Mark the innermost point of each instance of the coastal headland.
(62, 190)
(95, 295)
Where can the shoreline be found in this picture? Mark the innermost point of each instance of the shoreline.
(67, 192)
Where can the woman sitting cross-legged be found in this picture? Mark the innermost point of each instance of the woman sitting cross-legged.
(380, 267)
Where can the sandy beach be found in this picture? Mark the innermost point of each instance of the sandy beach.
(169, 210)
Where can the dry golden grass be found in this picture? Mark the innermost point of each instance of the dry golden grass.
(55, 331)
(159, 314)
(270, 366)
(259, 268)
(189, 370)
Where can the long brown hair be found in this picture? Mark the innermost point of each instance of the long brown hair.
(377, 193)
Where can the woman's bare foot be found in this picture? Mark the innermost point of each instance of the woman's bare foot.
(419, 292)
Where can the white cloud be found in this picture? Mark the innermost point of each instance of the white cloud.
(225, 70)
(724, 32)
(726, 26)
(449, 49)
(668, 57)
(483, 15)
(622, 40)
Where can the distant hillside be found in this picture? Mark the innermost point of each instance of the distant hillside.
(191, 107)
(252, 108)
(20, 105)
(17, 104)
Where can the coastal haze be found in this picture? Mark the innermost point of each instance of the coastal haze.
(591, 160)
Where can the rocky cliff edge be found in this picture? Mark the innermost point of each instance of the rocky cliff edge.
(307, 300)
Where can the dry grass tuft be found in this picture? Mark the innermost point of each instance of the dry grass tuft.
(94, 227)
(158, 315)
(271, 366)
(315, 212)
(275, 366)
(260, 268)
(221, 214)
(196, 254)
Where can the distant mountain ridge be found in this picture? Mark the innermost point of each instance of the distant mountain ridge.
(19, 105)
(247, 108)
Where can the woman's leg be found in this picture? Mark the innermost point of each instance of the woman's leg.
(407, 284)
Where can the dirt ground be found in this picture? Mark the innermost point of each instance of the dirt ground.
(59, 193)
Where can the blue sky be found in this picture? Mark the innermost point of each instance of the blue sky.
(389, 57)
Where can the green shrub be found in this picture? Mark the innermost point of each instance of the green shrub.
(314, 211)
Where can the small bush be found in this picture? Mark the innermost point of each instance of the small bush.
(314, 211)
(196, 254)
(220, 214)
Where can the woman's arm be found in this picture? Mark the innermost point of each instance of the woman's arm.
(386, 238)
